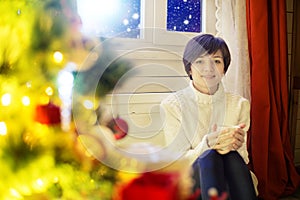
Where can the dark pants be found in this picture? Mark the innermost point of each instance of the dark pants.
(226, 173)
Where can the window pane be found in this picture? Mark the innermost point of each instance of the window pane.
(110, 18)
(184, 15)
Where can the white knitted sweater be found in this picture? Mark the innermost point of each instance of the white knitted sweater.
(189, 115)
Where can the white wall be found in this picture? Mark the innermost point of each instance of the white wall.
(156, 73)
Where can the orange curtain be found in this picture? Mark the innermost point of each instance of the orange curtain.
(269, 140)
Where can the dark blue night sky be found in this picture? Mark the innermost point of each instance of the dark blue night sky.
(184, 15)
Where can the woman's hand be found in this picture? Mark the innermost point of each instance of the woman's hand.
(239, 137)
(212, 137)
(226, 139)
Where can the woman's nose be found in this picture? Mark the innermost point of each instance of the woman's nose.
(209, 66)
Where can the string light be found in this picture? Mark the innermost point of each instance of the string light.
(58, 57)
(6, 99)
(25, 100)
(40, 182)
(28, 84)
(3, 128)
(55, 179)
(39, 185)
(88, 104)
(15, 193)
(49, 91)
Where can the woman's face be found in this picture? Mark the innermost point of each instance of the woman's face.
(207, 72)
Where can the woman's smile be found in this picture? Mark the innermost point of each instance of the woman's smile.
(208, 76)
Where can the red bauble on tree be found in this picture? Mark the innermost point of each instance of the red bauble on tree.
(47, 114)
(119, 127)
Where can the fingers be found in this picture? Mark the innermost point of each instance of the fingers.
(232, 138)
(239, 138)
(242, 125)
(213, 136)
(239, 135)
(212, 139)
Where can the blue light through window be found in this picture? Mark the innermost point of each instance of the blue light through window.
(184, 15)
(110, 18)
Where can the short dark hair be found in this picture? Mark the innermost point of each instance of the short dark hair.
(205, 44)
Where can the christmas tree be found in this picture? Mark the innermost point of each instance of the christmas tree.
(43, 62)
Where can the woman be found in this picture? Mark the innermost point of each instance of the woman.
(208, 125)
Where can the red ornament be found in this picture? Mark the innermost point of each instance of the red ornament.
(119, 127)
(47, 114)
(152, 185)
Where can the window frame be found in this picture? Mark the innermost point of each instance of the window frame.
(163, 37)
(154, 33)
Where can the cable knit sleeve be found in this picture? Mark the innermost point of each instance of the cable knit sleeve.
(193, 154)
(237, 111)
(175, 137)
(171, 115)
(178, 131)
(244, 117)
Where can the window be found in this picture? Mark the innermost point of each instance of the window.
(113, 18)
(147, 22)
(162, 36)
(184, 16)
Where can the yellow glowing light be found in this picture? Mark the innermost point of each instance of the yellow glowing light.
(3, 128)
(49, 91)
(28, 85)
(39, 185)
(25, 100)
(58, 57)
(88, 104)
(6, 99)
(40, 182)
(15, 193)
(56, 179)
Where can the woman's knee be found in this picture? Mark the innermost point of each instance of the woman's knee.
(233, 157)
(233, 154)
(209, 156)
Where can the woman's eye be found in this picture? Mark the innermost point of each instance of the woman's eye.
(199, 61)
(218, 61)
